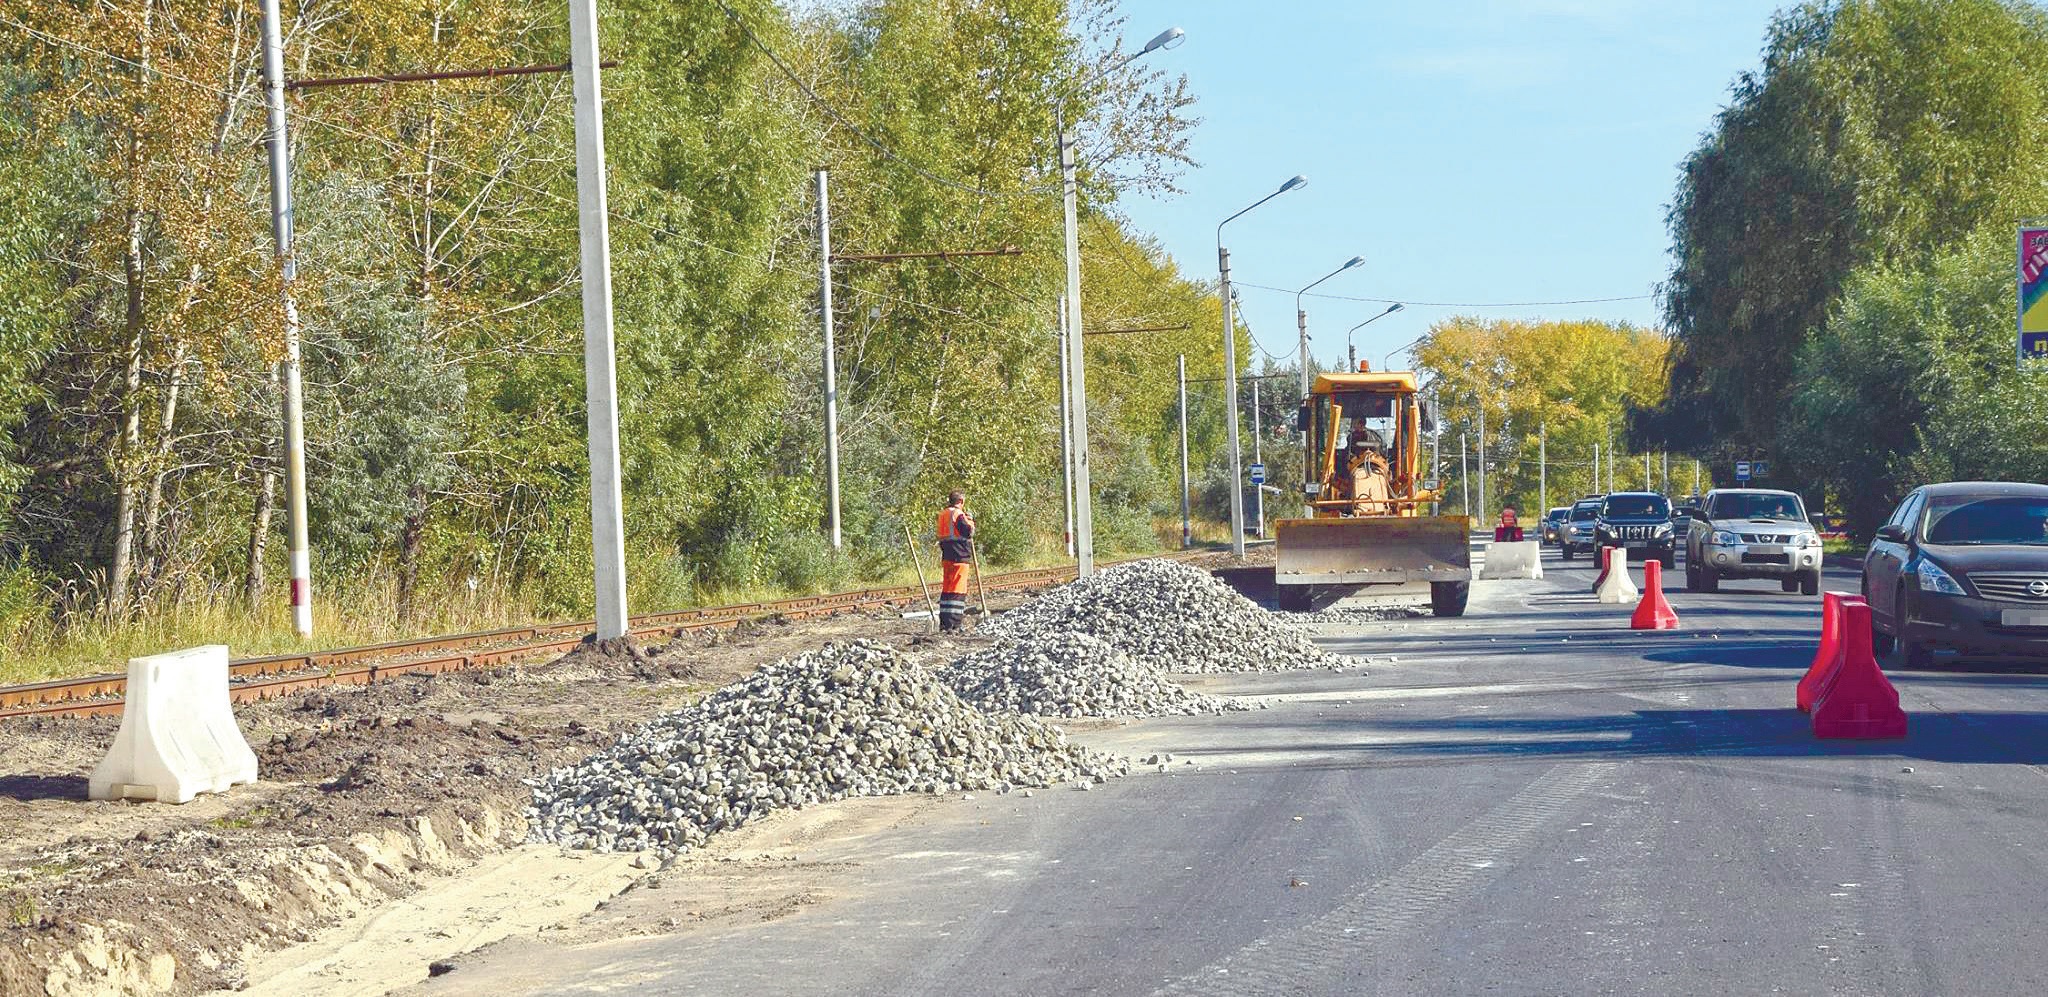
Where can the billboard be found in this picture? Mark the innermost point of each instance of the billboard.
(2033, 293)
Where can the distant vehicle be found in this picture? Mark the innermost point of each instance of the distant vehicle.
(1638, 521)
(1962, 565)
(1553, 524)
(1752, 533)
(1578, 527)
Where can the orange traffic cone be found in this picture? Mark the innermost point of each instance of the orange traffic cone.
(1653, 613)
(1857, 700)
(1829, 656)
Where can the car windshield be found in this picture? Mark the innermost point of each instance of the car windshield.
(1965, 519)
(1744, 505)
(1633, 506)
(1585, 511)
(1557, 515)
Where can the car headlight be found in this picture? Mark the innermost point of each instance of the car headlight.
(1807, 540)
(1664, 530)
(1935, 580)
(1723, 538)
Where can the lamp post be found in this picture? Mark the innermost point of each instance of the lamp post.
(1077, 390)
(1351, 349)
(1301, 317)
(1230, 371)
(1387, 362)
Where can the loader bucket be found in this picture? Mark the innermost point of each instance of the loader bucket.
(1373, 550)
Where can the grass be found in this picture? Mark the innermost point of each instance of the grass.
(73, 644)
(1845, 547)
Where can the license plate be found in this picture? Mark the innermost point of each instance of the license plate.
(2023, 618)
(1636, 544)
(1766, 549)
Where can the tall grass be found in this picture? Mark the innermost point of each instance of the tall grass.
(74, 639)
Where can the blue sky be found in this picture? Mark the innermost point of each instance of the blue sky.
(1471, 150)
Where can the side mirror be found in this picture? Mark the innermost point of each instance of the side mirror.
(1302, 416)
(1892, 534)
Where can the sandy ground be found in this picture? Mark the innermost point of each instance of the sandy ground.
(384, 836)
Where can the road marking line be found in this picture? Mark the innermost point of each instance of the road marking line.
(1450, 873)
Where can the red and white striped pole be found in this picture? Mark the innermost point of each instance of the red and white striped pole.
(294, 398)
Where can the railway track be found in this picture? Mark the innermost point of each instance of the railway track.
(252, 679)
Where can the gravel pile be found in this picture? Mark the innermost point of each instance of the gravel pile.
(1073, 675)
(1352, 614)
(1168, 615)
(851, 719)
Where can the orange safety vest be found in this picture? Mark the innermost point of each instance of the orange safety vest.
(1507, 518)
(956, 532)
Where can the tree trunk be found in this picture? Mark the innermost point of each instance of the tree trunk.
(121, 570)
(259, 536)
(409, 552)
(153, 553)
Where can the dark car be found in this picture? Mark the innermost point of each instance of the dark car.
(1553, 524)
(1577, 534)
(1639, 521)
(1962, 566)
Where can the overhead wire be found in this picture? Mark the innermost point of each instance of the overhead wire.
(847, 123)
(344, 129)
(1448, 304)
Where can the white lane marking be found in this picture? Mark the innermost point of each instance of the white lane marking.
(1446, 876)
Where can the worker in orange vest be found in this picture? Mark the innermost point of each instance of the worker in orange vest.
(1510, 528)
(956, 552)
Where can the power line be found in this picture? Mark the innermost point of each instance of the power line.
(343, 129)
(1451, 304)
(846, 123)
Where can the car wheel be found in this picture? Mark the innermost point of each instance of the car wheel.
(1918, 654)
(1709, 581)
(1567, 551)
(1810, 584)
(1449, 598)
(1692, 576)
(1788, 584)
(1670, 559)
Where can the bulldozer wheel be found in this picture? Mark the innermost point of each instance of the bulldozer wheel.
(1448, 598)
(1293, 598)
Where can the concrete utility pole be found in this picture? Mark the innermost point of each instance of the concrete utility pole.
(1187, 523)
(279, 144)
(1649, 484)
(1543, 467)
(600, 372)
(1084, 506)
(1596, 468)
(1066, 429)
(1464, 479)
(1230, 371)
(831, 377)
(1258, 490)
(1483, 507)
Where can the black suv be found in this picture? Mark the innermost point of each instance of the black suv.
(1639, 521)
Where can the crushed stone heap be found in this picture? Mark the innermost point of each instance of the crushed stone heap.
(1065, 674)
(850, 719)
(1168, 615)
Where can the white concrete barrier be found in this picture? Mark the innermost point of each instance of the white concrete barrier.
(1618, 588)
(178, 736)
(1522, 559)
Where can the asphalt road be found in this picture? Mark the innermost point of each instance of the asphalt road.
(1531, 800)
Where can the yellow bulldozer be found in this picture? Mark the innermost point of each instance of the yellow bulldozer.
(1368, 539)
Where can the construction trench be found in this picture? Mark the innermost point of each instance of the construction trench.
(633, 761)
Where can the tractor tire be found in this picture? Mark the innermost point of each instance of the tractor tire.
(1449, 598)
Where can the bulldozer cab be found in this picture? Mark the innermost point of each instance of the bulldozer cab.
(1362, 440)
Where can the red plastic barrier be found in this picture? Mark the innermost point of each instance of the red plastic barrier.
(1601, 553)
(1856, 700)
(1653, 612)
(1829, 656)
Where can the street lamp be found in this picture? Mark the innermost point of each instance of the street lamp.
(1301, 316)
(1077, 393)
(1230, 371)
(1351, 351)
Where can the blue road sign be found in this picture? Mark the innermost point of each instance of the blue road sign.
(1258, 474)
(1742, 470)
(1759, 469)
